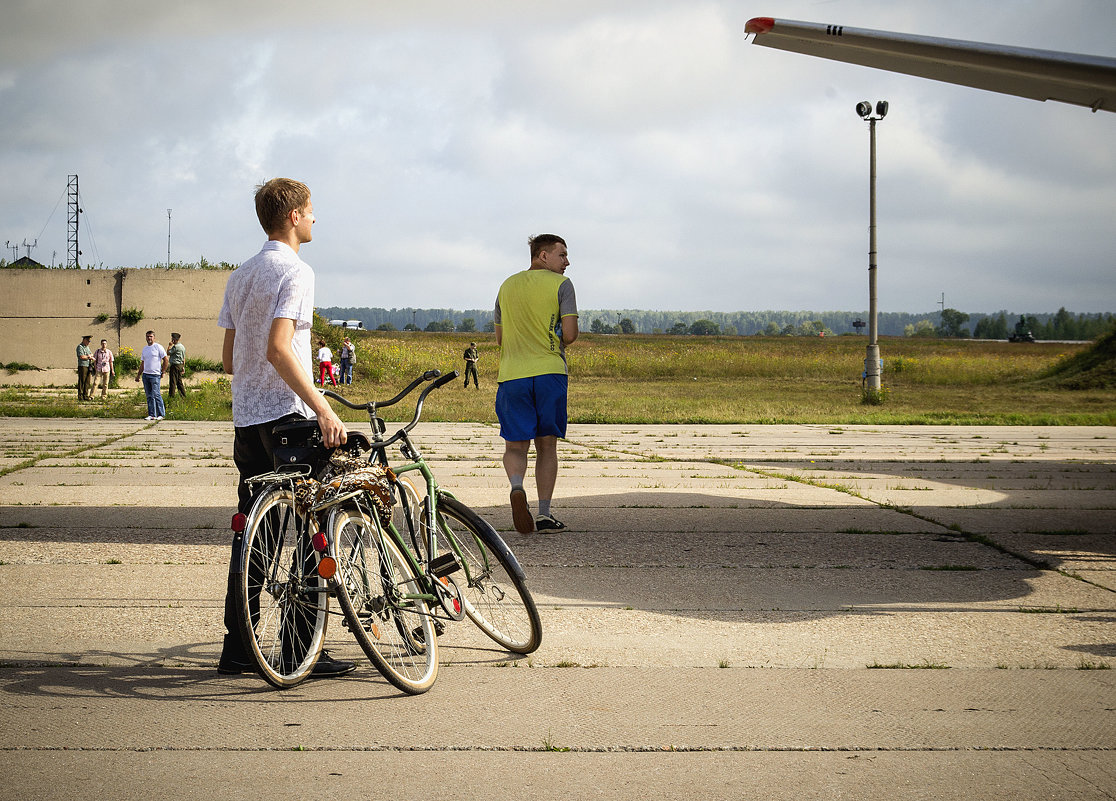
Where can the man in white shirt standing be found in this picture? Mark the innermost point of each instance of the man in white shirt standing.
(153, 363)
(267, 314)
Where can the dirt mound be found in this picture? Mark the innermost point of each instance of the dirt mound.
(1094, 368)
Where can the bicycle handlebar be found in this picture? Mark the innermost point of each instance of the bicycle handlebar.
(371, 406)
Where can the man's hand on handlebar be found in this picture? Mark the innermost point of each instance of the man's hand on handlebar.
(333, 430)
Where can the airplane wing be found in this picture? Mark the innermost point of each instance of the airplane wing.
(1037, 74)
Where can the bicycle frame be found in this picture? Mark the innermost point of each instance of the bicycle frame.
(436, 567)
(435, 564)
(416, 462)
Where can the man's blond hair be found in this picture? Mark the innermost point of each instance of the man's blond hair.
(276, 199)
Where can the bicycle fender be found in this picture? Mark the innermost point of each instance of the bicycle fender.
(497, 544)
(492, 539)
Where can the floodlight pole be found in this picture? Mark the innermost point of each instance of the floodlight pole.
(872, 357)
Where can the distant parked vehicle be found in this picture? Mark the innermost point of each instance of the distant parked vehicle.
(1022, 333)
(348, 324)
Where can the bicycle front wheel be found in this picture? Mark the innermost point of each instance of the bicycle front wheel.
(495, 592)
(283, 601)
(383, 602)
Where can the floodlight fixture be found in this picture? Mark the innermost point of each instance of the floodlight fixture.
(864, 109)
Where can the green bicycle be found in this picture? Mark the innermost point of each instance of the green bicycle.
(337, 522)
(433, 552)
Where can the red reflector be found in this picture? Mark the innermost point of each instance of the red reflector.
(759, 25)
(239, 522)
(457, 605)
(327, 567)
(320, 541)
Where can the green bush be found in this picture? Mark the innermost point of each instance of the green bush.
(204, 366)
(130, 316)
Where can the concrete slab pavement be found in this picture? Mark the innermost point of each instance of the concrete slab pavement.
(781, 611)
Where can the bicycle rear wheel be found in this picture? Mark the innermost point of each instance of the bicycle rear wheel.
(378, 591)
(495, 595)
(283, 601)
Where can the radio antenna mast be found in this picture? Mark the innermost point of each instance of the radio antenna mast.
(72, 212)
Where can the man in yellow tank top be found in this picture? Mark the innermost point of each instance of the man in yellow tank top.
(536, 317)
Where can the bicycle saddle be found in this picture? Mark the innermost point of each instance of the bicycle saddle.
(300, 442)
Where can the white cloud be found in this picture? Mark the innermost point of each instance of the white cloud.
(685, 166)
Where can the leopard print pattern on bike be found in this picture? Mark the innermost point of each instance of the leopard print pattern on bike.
(351, 475)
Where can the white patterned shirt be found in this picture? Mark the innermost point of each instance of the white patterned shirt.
(275, 283)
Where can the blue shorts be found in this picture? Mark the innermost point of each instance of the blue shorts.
(532, 407)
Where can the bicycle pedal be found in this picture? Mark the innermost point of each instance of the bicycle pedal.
(439, 630)
(444, 565)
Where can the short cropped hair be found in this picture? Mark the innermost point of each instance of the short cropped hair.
(278, 198)
(149, 332)
(541, 242)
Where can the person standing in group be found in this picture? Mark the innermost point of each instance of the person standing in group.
(153, 363)
(85, 369)
(176, 355)
(267, 313)
(325, 363)
(536, 318)
(348, 359)
(471, 365)
(102, 368)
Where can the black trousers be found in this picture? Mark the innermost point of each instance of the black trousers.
(176, 373)
(253, 454)
(85, 382)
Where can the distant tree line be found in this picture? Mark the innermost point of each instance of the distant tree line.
(1062, 325)
(945, 323)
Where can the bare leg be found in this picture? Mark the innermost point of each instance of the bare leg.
(546, 466)
(515, 459)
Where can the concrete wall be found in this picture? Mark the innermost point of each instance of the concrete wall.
(44, 313)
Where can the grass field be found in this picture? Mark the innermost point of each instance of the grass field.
(664, 379)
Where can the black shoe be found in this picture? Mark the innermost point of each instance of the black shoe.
(230, 667)
(548, 523)
(329, 668)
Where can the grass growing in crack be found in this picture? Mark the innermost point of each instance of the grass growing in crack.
(1057, 609)
(926, 664)
(549, 745)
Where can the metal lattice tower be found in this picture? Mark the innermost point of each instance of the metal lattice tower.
(72, 212)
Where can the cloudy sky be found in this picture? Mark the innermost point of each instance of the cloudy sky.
(687, 168)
